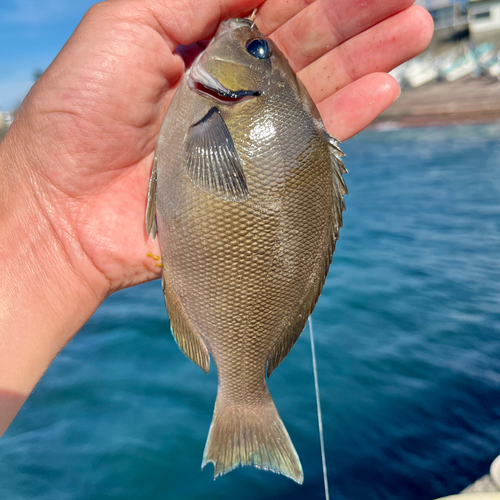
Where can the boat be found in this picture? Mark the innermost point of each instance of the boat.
(421, 70)
(452, 69)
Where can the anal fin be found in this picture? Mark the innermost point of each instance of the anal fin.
(189, 341)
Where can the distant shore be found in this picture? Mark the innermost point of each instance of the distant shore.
(466, 101)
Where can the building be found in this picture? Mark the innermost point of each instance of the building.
(447, 13)
(450, 19)
(455, 19)
(484, 17)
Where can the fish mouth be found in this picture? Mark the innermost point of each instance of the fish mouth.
(223, 94)
(204, 83)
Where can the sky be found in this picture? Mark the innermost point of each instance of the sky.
(32, 32)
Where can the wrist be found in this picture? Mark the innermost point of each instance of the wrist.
(48, 288)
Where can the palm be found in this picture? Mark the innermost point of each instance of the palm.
(101, 118)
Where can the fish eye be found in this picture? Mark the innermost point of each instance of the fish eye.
(259, 48)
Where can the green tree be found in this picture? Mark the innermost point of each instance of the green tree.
(37, 73)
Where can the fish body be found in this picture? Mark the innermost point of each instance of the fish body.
(248, 191)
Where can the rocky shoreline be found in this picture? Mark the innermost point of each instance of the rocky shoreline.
(466, 101)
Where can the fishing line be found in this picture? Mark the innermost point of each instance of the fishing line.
(318, 406)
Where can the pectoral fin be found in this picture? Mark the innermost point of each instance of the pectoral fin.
(151, 226)
(213, 163)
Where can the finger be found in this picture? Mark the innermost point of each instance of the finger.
(326, 24)
(353, 108)
(185, 21)
(380, 48)
(274, 13)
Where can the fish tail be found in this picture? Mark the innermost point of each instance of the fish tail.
(250, 435)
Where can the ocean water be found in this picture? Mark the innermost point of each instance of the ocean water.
(408, 343)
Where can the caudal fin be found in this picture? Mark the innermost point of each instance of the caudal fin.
(250, 435)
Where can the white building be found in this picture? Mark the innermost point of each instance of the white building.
(447, 14)
(450, 19)
(484, 16)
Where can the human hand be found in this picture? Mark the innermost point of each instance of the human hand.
(77, 160)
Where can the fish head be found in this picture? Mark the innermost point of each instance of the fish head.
(237, 65)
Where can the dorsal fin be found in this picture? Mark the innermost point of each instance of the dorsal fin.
(290, 336)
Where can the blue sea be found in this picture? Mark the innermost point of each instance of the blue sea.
(408, 342)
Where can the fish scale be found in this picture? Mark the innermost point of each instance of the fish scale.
(248, 196)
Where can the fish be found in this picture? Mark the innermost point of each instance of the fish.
(246, 196)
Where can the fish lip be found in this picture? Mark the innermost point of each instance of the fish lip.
(204, 83)
(226, 95)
